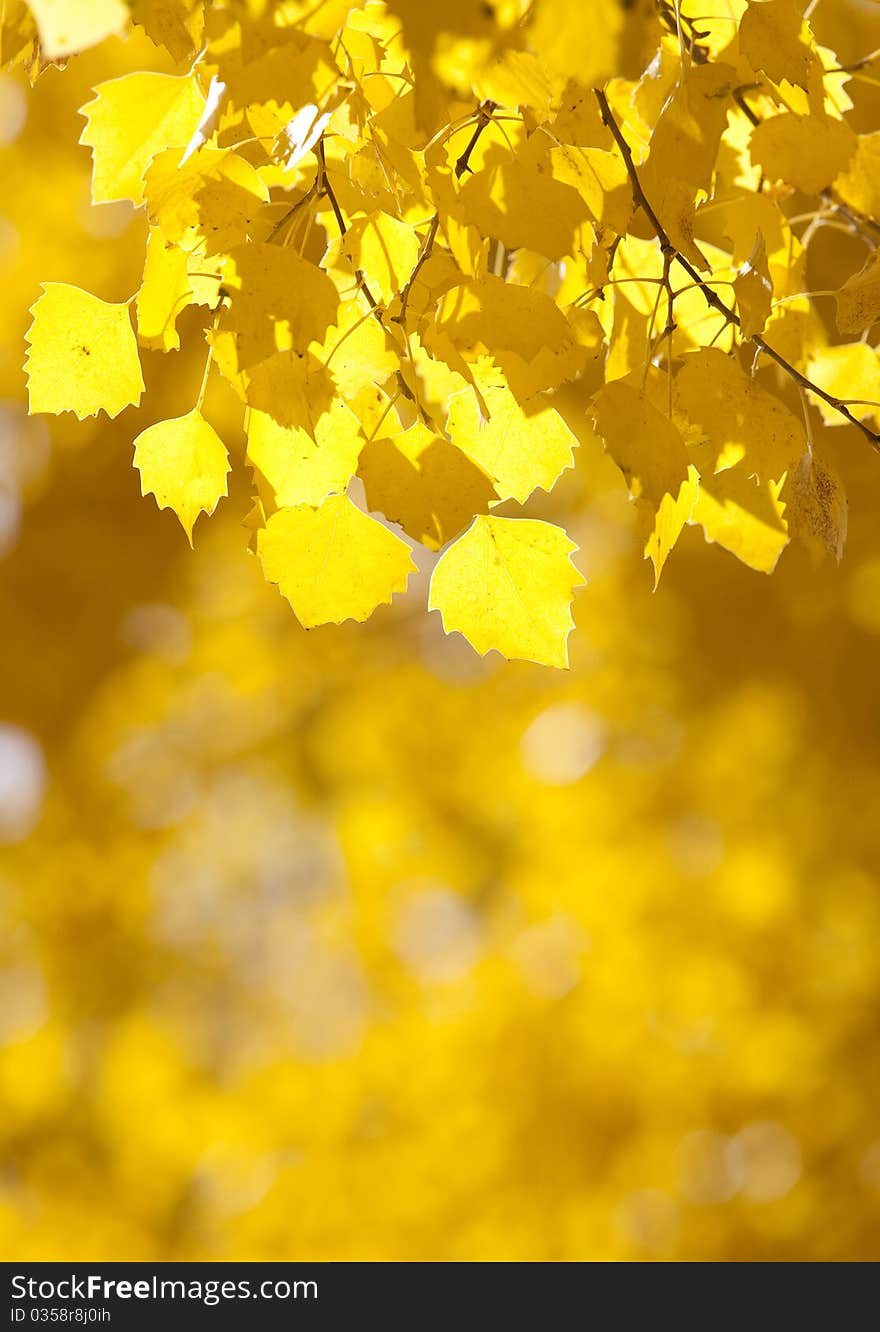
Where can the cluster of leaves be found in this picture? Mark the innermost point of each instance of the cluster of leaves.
(440, 266)
(355, 945)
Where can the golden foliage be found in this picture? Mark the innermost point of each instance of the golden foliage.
(366, 248)
(352, 943)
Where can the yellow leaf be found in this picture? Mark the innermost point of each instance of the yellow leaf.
(522, 329)
(283, 66)
(808, 152)
(579, 121)
(651, 453)
(175, 24)
(816, 510)
(67, 26)
(684, 146)
(578, 40)
(774, 38)
(508, 584)
(673, 511)
(744, 214)
(738, 423)
(165, 291)
(184, 463)
(129, 121)
(209, 202)
(744, 516)
(522, 206)
(850, 371)
(205, 273)
(468, 249)
(859, 185)
(333, 563)
(300, 468)
(753, 290)
(279, 301)
(519, 79)
(423, 482)
(684, 141)
(858, 301)
(357, 350)
(83, 355)
(292, 388)
(384, 250)
(523, 448)
(601, 179)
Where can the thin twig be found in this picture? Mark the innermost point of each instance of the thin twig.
(325, 190)
(739, 96)
(712, 299)
(427, 246)
(292, 211)
(855, 66)
(863, 226)
(484, 117)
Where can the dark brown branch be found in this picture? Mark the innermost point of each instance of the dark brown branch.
(325, 190)
(710, 297)
(739, 97)
(484, 116)
(427, 247)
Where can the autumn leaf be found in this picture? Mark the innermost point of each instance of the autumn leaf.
(650, 452)
(129, 121)
(333, 562)
(82, 355)
(774, 39)
(508, 584)
(278, 301)
(422, 481)
(850, 371)
(858, 301)
(385, 250)
(302, 468)
(426, 303)
(184, 463)
(67, 26)
(520, 448)
(164, 293)
(808, 152)
(753, 289)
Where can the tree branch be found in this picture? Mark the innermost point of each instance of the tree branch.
(325, 190)
(427, 246)
(484, 116)
(710, 297)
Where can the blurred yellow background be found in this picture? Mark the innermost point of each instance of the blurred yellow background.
(350, 944)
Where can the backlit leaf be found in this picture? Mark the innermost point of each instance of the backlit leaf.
(332, 563)
(129, 121)
(508, 584)
(184, 463)
(82, 355)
